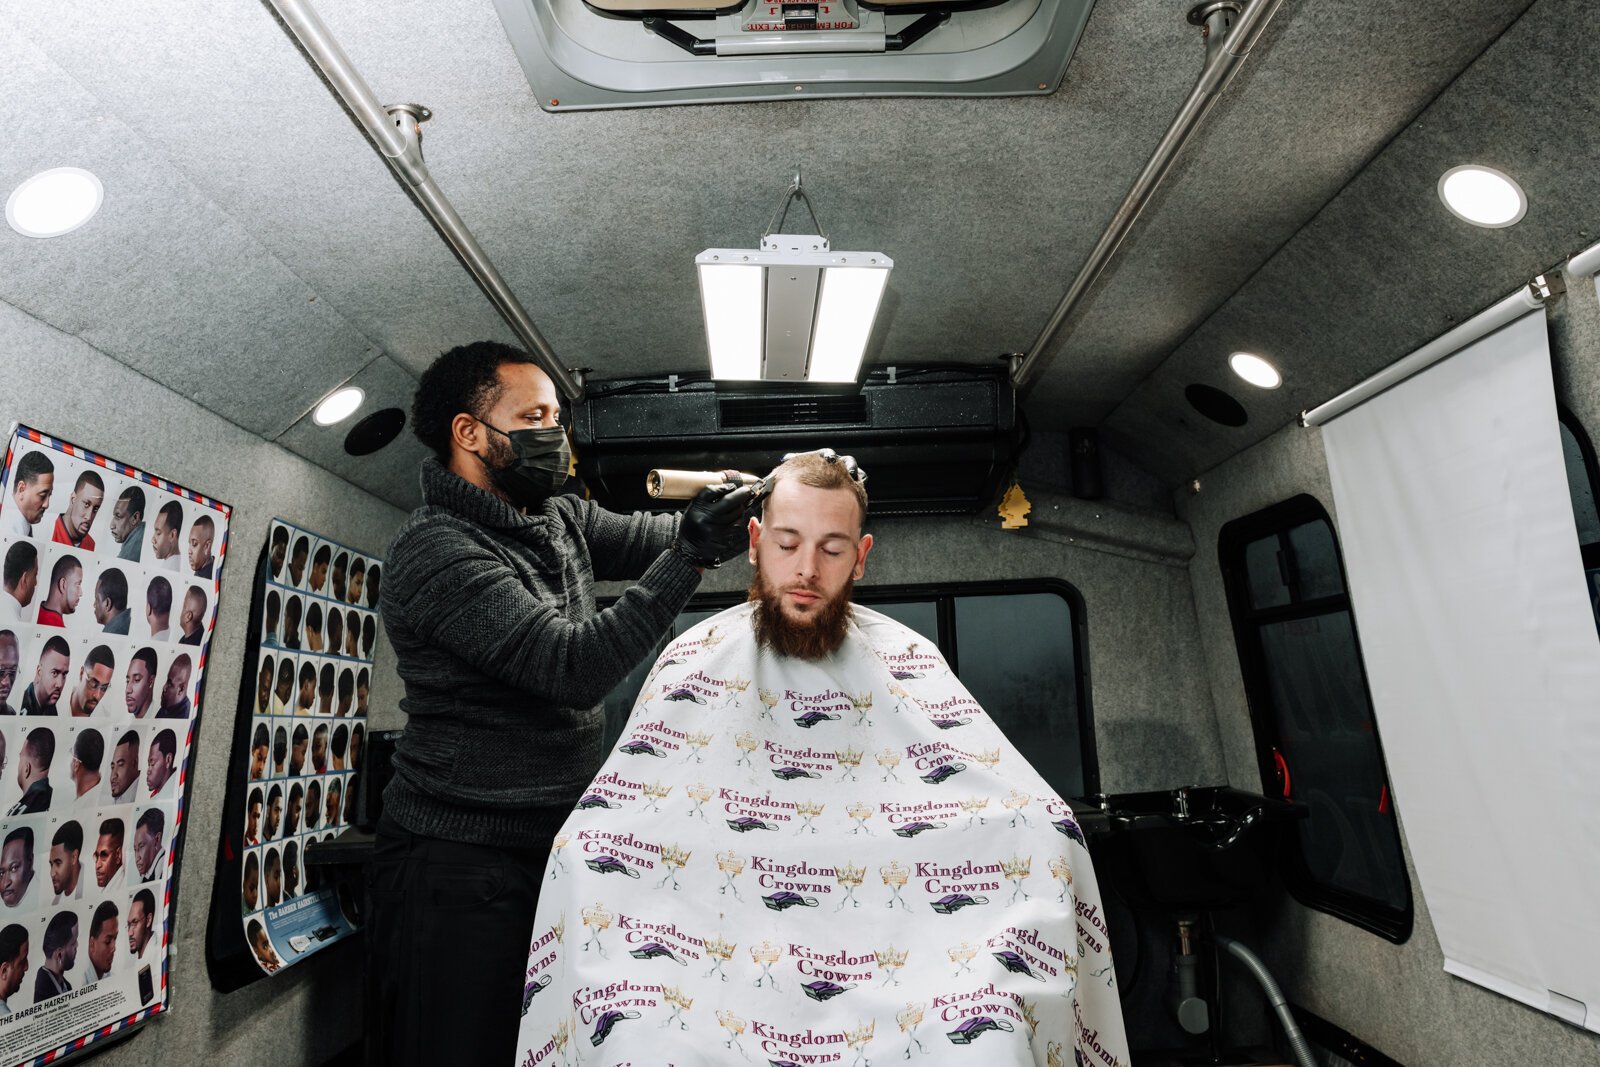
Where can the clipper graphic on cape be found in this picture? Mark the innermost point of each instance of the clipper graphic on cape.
(976, 1027)
(607, 1020)
(531, 990)
(604, 864)
(954, 902)
(651, 950)
(824, 990)
(1016, 964)
(943, 773)
(785, 899)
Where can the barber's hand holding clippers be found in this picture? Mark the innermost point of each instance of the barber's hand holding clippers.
(716, 525)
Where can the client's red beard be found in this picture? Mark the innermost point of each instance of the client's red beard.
(818, 635)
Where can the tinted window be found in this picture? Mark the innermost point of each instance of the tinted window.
(1316, 737)
(919, 615)
(1579, 483)
(1267, 587)
(1015, 654)
(1325, 734)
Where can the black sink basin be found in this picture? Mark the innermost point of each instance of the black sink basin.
(1193, 849)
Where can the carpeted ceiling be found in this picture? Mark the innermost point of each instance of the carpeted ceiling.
(254, 252)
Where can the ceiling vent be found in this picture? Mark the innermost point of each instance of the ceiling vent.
(933, 440)
(583, 54)
(742, 413)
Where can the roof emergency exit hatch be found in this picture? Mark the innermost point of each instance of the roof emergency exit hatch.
(628, 53)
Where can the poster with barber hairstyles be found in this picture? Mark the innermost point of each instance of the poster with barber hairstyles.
(297, 750)
(111, 582)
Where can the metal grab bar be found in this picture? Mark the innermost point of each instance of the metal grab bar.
(1226, 50)
(395, 132)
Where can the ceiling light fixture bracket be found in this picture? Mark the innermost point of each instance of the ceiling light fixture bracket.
(796, 191)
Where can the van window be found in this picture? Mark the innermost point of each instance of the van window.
(1016, 646)
(1316, 738)
(1582, 478)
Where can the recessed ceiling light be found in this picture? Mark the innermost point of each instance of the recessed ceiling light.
(1483, 196)
(1255, 370)
(338, 406)
(54, 202)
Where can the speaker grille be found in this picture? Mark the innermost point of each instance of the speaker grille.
(778, 412)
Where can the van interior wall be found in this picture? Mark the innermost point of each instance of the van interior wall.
(65, 387)
(1397, 998)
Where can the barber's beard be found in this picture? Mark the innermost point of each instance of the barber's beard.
(500, 458)
(818, 635)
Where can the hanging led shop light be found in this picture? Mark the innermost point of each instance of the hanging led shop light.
(792, 310)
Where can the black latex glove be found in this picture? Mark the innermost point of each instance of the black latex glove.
(716, 525)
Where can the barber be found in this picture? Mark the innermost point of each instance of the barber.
(488, 601)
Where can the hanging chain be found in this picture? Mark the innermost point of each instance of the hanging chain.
(781, 212)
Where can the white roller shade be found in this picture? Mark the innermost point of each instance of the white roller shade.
(1484, 663)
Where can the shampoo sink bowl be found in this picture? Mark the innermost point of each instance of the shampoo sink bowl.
(1191, 849)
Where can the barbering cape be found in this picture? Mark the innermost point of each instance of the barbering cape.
(834, 862)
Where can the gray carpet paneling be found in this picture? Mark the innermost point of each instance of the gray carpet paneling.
(303, 1017)
(162, 279)
(596, 217)
(1385, 267)
(391, 472)
(1327, 88)
(221, 93)
(258, 194)
(1046, 463)
(1395, 997)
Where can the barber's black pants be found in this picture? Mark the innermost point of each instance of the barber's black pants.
(449, 934)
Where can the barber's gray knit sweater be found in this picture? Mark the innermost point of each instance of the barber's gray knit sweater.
(504, 658)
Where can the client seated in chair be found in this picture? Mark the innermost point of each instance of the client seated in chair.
(812, 845)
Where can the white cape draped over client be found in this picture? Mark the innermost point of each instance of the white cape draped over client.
(840, 861)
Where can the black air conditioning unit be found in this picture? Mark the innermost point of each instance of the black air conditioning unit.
(935, 439)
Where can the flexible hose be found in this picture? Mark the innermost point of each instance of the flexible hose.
(1280, 1004)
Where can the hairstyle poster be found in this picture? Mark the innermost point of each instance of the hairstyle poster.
(111, 580)
(299, 747)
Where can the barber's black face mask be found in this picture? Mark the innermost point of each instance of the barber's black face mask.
(539, 466)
